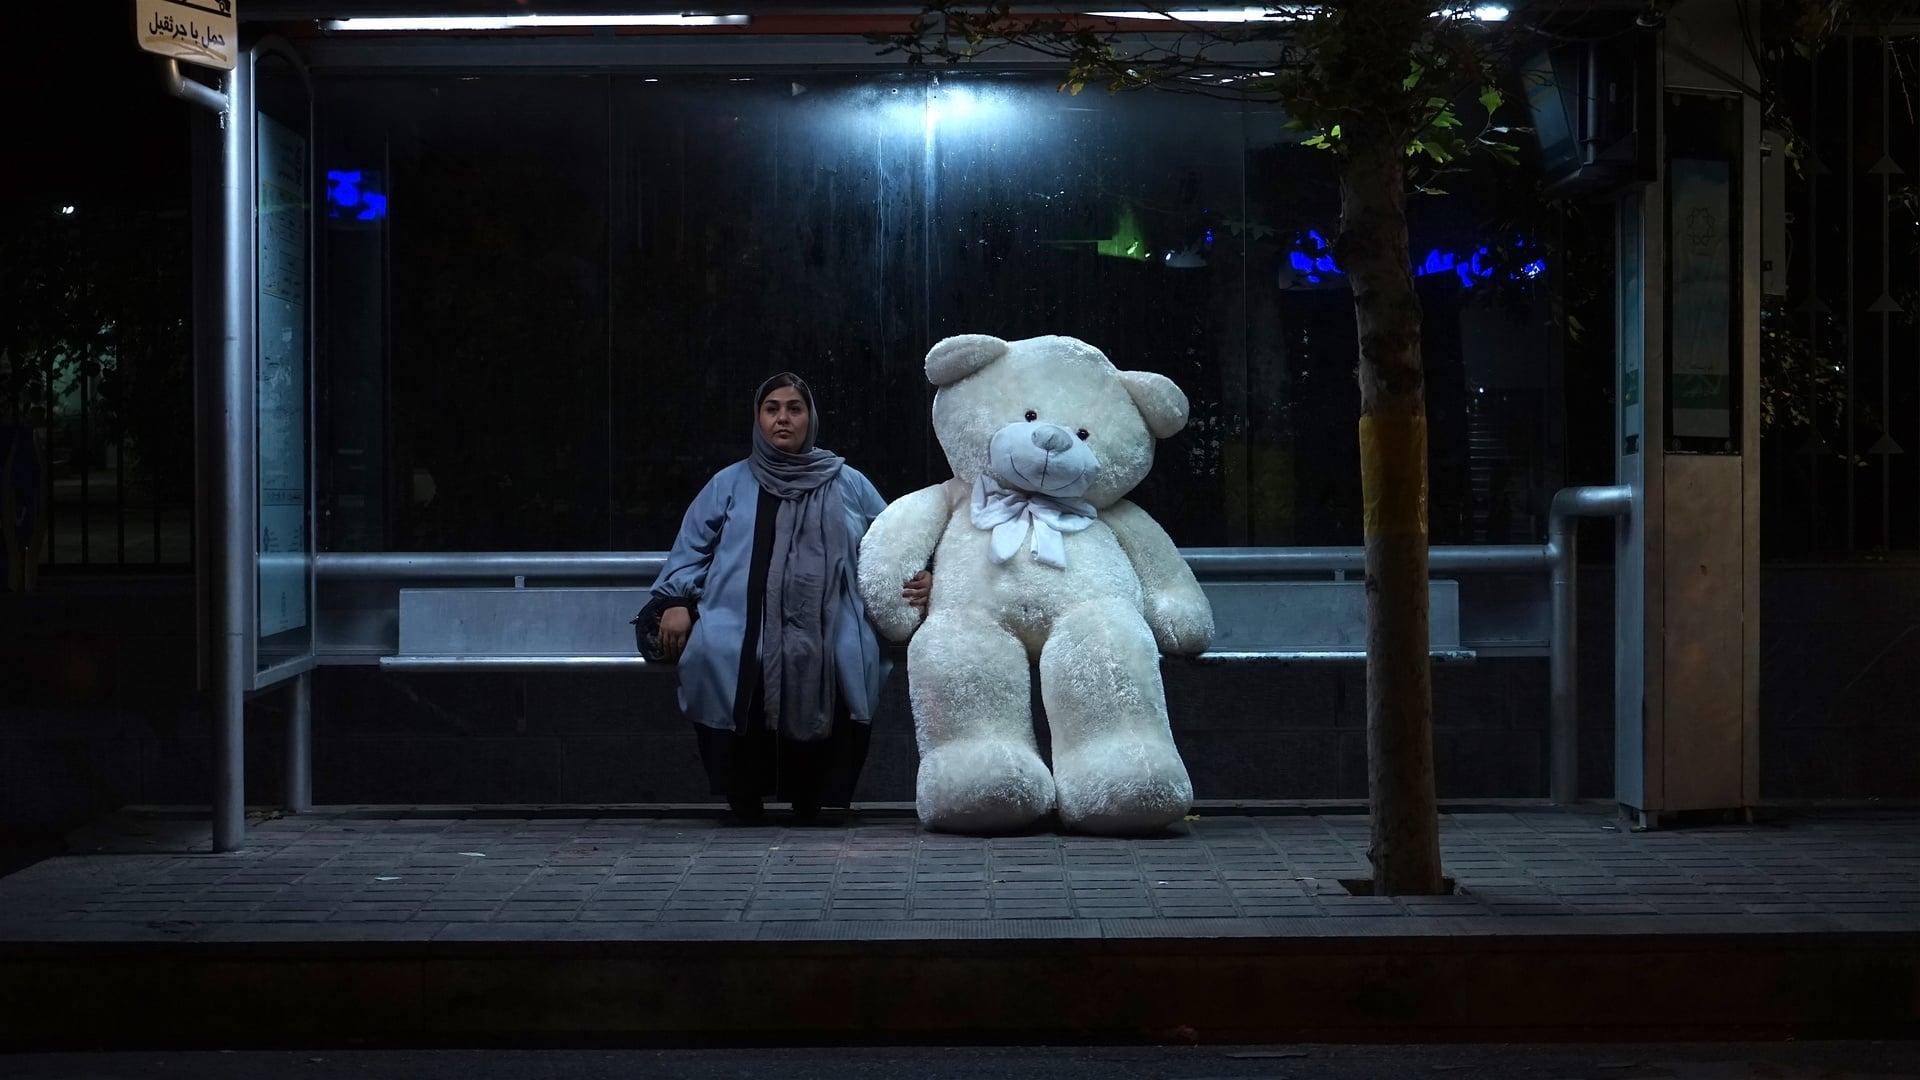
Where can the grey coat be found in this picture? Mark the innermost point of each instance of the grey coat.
(710, 562)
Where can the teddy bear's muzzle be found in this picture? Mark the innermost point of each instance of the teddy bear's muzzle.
(1042, 459)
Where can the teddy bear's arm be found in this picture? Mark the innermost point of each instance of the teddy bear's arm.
(1177, 609)
(899, 545)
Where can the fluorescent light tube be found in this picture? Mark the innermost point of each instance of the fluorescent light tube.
(392, 23)
(1484, 13)
(1201, 15)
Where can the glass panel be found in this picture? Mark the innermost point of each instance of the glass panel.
(282, 178)
(352, 373)
(759, 226)
(1703, 250)
(490, 197)
(1489, 348)
(1118, 220)
(1631, 333)
(1702, 300)
(584, 279)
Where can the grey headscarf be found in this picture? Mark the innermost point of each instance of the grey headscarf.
(812, 563)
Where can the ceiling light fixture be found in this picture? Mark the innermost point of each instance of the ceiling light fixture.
(1256, 13)
(401, 23)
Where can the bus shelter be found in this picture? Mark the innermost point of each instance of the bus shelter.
(571, 239)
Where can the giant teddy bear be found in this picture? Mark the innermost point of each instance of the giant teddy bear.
(1037, 557)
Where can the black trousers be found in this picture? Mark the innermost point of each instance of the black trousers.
(757, 763)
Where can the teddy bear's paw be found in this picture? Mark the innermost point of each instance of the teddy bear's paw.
(1123, 785)
(983, 786)
(1182, 623)
(896, 622)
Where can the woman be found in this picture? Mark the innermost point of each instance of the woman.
(781, 672)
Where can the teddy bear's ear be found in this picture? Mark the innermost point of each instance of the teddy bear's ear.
(1162, 404)
(959, 356)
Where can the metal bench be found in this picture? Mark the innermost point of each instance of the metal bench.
(516, 629)
(1305, 621)
(444, 611)
(523, 629)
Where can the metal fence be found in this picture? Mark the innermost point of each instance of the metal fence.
(95, 389)
(1840, 352)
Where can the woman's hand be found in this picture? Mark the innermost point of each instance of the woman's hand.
(675, 624)
(918, 589)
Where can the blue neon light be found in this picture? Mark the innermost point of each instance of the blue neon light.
(1317, 261)
(1312, 259)
(347, 191)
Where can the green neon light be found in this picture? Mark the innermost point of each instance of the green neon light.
(1126, 241)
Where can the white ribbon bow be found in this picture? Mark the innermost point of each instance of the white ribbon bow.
(1010, 513)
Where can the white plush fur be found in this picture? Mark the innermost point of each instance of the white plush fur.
(1094, 629)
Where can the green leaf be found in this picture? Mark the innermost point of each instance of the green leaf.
(1413, 77)
(1491, 98)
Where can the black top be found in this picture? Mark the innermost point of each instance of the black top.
(765, 516)
(750, 761)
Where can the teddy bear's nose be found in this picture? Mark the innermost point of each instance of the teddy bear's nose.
(1052, 439)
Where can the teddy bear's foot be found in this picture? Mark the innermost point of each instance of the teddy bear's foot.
(1122, 785)
(983, 786)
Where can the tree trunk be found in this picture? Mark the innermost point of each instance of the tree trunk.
(1372, 248)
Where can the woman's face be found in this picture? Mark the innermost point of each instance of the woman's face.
(784, 419)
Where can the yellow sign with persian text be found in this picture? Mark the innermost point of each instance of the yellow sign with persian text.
(198, 31)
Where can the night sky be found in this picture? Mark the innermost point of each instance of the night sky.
(89, 118)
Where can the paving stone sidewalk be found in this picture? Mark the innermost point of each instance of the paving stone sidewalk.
(338, 873)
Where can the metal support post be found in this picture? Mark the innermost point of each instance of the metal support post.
(223, 415)
(228, 439)
(1563, 734)
(299, 787)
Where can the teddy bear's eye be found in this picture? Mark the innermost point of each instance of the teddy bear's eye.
(1032, 416)
(1083, 434)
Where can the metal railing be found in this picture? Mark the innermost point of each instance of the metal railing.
(1556, 558)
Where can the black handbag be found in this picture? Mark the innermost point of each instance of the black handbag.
(646, 626)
